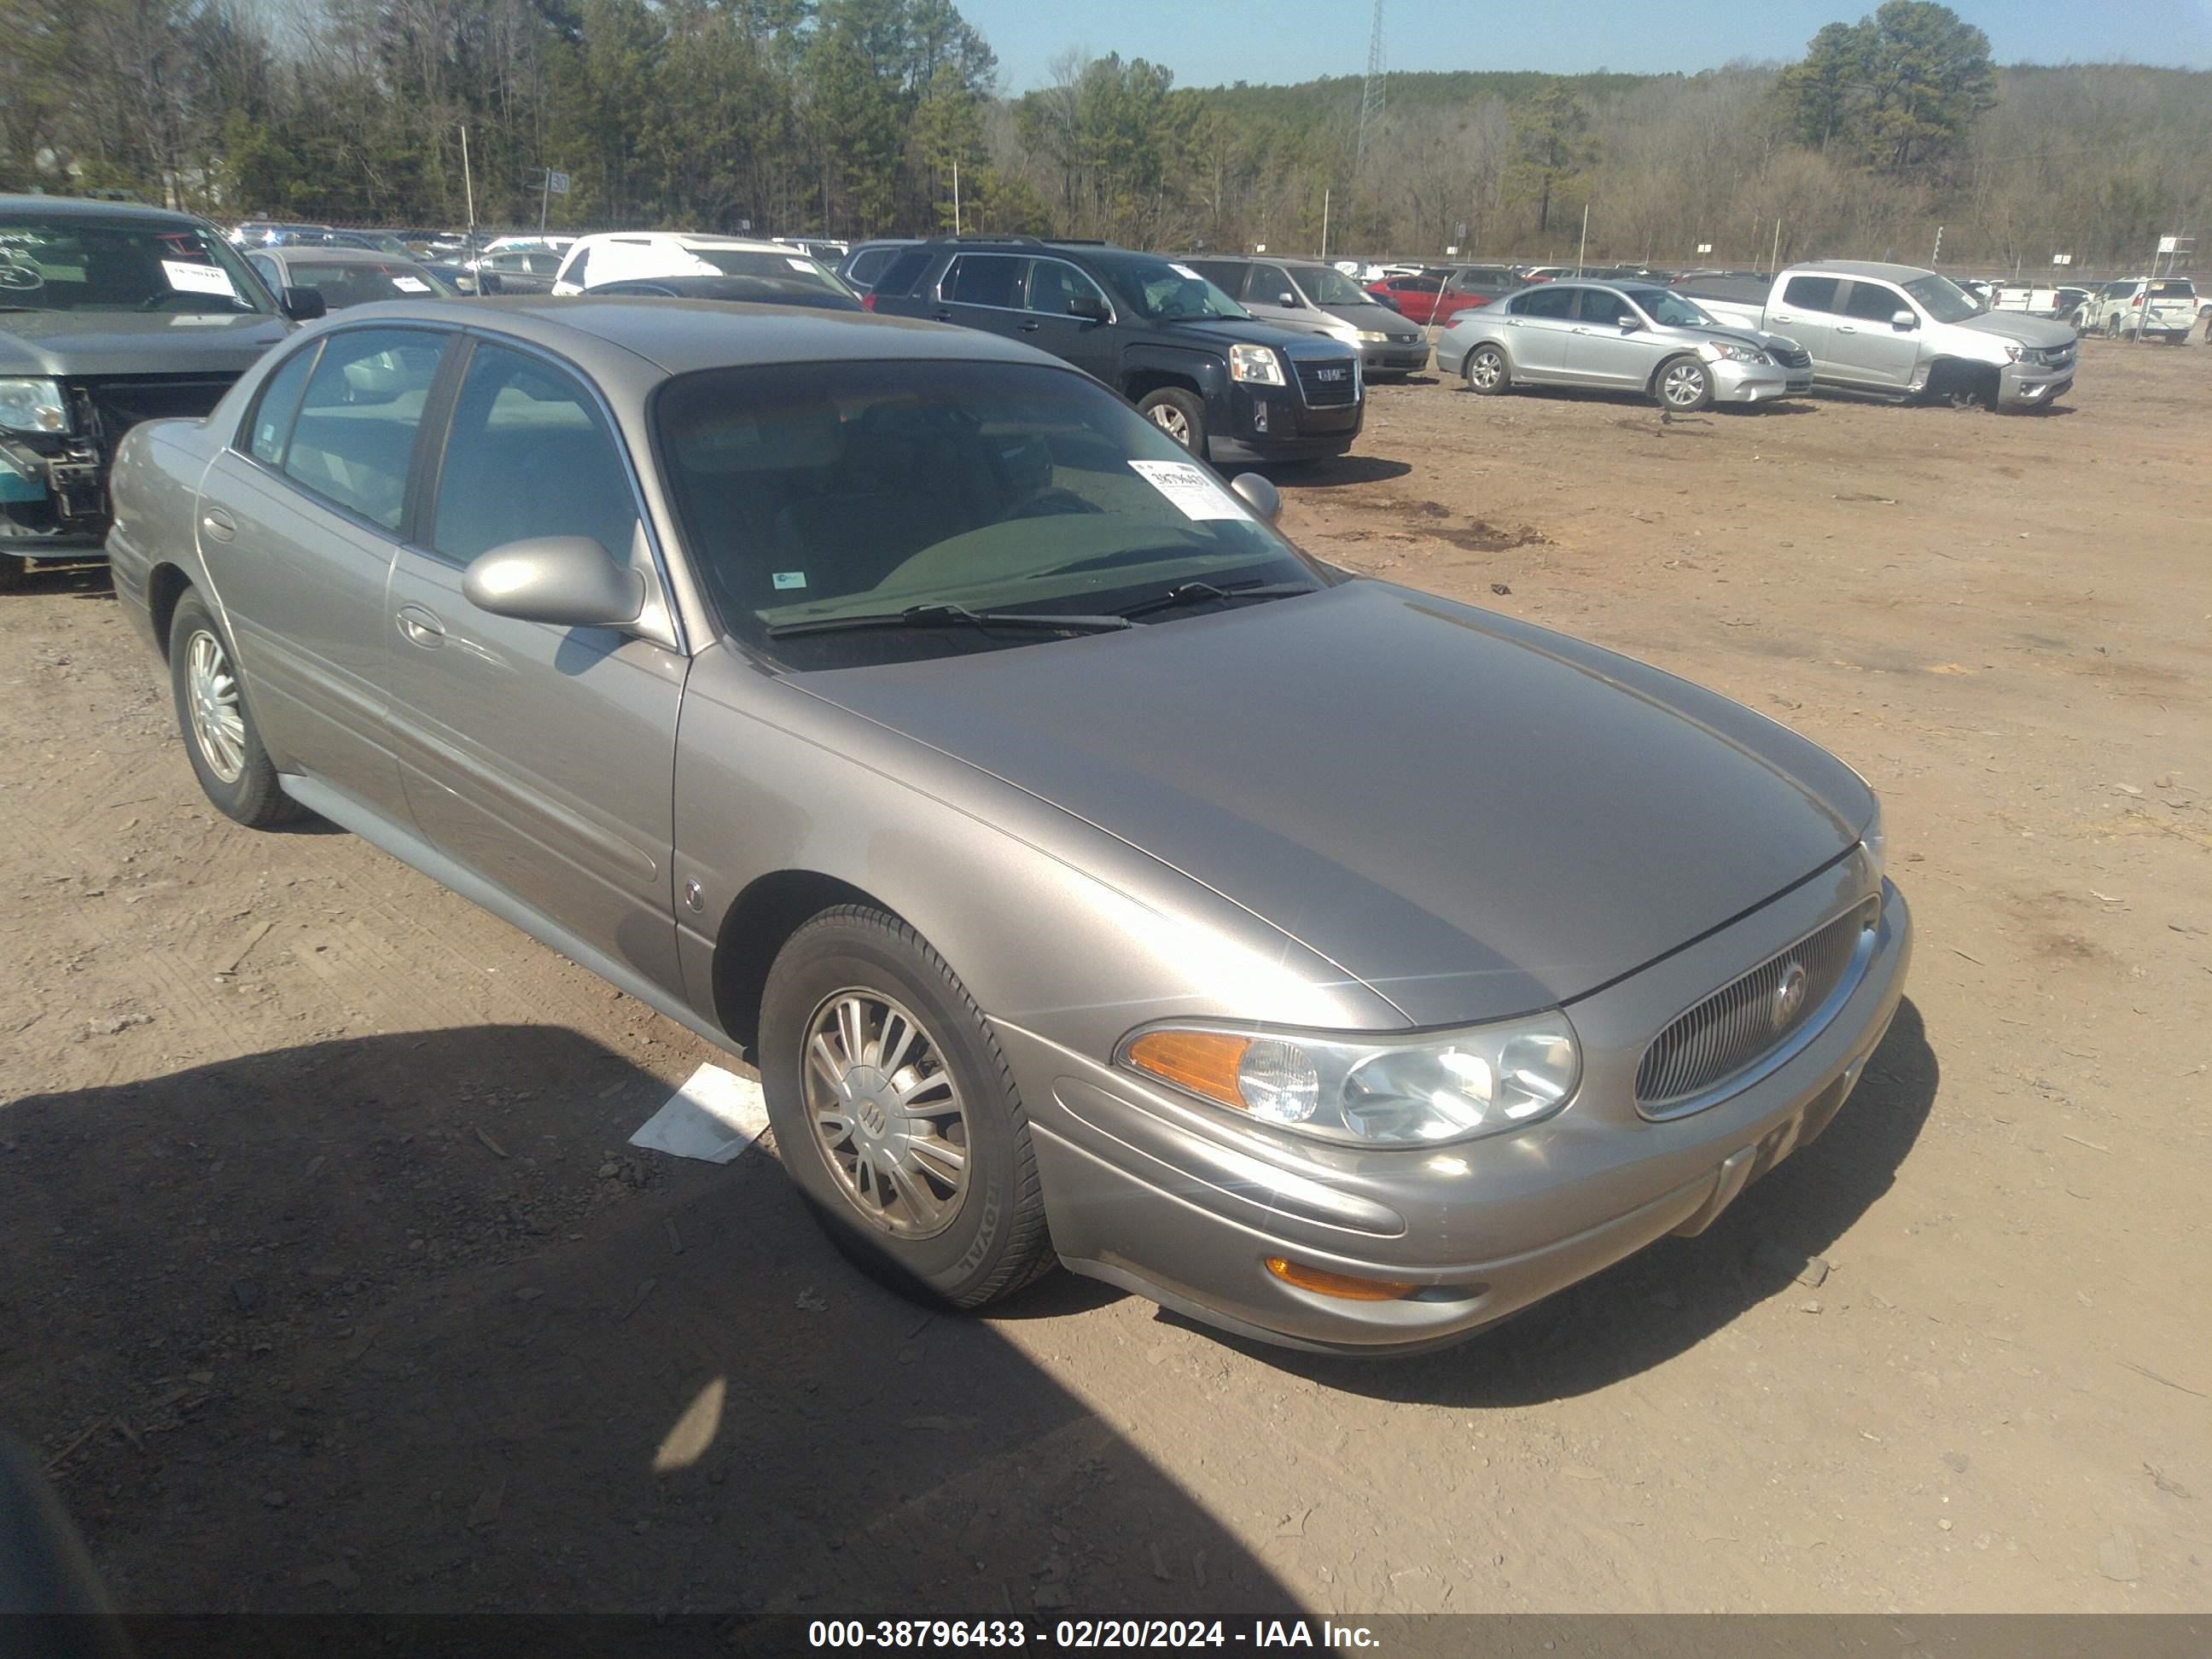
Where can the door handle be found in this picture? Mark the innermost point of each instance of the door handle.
(218, 524)
(421, 626)
(1846, 328)
(944, 316)
(1029, 328)
(1784, 317)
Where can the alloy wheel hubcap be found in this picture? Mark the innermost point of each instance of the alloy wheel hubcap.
(218, 723)
(1172, 420)
(1485, 370)
(1684, 385)
(887, 1115)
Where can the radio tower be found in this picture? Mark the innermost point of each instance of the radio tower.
(1370, 97)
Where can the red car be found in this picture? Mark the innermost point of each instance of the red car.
(1441, 293)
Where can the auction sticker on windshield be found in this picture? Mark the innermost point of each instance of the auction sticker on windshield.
(410, 285)
(188, 278)
(1185, 271)
(1190, 488)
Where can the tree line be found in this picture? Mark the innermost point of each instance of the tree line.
(854, 118)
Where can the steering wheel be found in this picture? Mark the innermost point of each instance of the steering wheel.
(1054, 502)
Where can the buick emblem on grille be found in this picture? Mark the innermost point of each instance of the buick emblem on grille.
(1788, 997)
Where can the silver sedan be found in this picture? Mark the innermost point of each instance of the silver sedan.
(1622, 336)
(1092, 876)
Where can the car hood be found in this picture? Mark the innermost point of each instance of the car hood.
(1474, 816)
(70, 342)
(2017, 325)
(1226, 332)
(1377, 316)
(1745, 336)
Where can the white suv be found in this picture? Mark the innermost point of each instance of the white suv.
(625, 256)
(2160, 307)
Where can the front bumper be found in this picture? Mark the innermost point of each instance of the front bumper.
(2031, 386)
(1161, 1196)
(1394, 359)
(1275, 423)
(1737, 382)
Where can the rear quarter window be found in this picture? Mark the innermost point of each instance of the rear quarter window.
(905, 270)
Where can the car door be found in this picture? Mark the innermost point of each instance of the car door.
(299, 524)
(1808, 314)
(1867, 347)
(1539, 324)
(1273, 297)
(984, 290)
(1601, 351)
(1416, 296)
(540, 758)
(1054, 286)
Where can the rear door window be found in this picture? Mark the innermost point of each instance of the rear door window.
(985, 279)
(353, 440)
(1550, 300)
(1812, 293)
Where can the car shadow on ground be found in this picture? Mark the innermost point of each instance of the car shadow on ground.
(88, 580)
(402, 1323)
(1667, 1299)
(1800, 404)
(1333, 472)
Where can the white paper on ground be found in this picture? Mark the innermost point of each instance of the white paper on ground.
(714, 1116)
(1191, 488)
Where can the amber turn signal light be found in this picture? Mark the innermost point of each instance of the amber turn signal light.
(1204, 1062)
(1341, 1286)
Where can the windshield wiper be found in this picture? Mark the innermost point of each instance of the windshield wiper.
(940, 615)
(1197, 592)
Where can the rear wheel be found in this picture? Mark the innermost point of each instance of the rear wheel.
(1685, 385)
(1179, 413)
(224, 745)
(895, 1111)
(1487, 372)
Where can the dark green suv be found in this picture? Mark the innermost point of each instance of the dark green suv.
(1200, 365)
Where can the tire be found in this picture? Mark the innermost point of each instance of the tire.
(1683, 386)
(1487, 372)
(859, 979)
(2112, 328)
(2175, 339)
(217, 723)
(1179, 413)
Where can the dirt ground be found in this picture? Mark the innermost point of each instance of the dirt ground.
(330, 1282)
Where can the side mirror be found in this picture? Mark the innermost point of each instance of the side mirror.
(1289, 300)
(570, 581)
(1256, 493)
(1089, 306)
(1629, 323)
(303, 305)
(1902, 320)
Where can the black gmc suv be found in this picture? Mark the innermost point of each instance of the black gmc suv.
(1198, 364)
(110, 315)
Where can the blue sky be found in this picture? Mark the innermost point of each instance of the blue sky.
(1210, 42)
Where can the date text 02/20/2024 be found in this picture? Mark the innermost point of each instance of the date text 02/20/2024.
(1073, 1634)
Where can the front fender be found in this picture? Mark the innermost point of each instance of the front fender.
(1052, 924)
(1207, 370)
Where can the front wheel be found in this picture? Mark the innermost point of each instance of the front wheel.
(1685, 385)
(225, 747)
(895, 1111)
(1487, 372)
(1179, 413)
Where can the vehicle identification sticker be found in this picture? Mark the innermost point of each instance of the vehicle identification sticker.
(1185, 271)
(786, 579)
(1191, 488)
(188, 278)
(799, 264)
(410, 285)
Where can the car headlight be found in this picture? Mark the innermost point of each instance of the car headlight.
(1714, 351)
(32, 406)
(1372, 337)
(1372, 1090)
(1875, 840)
(1255, 363)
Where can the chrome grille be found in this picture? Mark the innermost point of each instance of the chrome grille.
(1792, 357)
(1342, 388)
(1746, 1020)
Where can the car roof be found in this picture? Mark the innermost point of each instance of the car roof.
(682, 239)
(287, 252)
(80, 207)
(680, 336)
(1873, 268)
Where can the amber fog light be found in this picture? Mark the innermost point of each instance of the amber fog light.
(1343, 1286)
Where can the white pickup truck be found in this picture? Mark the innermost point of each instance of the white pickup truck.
(1907, 332)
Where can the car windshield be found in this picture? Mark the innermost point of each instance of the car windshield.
(1944, 299)
(744, 262)
(1327, 285)
(1672, 310)
(358, 281)
(72, 263)
(1162, 292)
(867, 488)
